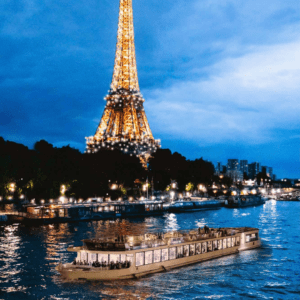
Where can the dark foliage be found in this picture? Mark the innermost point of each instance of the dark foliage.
(40, 173)
(165, 166)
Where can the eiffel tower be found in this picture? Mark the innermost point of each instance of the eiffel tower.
(124, 124)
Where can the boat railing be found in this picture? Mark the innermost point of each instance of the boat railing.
(102, 265)
(123, 243)
(16, 213)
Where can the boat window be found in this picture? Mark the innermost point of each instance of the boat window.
(186, 251)
(192, 249)
(164, 254)
(224, 244)
(103, 258)
(83, 256)
(100, 208)
(172, 253)
(209, 246)
(179, 251)
(112, 208)
(237, 240)
(61, 213)
(198, 248)
(148, 257)
(228, 242)
(233, 242)
(157, 255)
(92, 257)
(215, 245)
(129, 257)
(114, 258)
(139, 258)
(220, 244)
(251, 237)
(123, 257)
(204, 247)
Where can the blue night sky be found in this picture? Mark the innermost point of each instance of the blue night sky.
(221, 78)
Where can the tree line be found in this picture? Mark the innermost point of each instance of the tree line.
(40, 172)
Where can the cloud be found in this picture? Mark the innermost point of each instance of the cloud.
(211, 71)
(242, 99)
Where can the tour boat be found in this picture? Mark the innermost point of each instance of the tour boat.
(125, 257)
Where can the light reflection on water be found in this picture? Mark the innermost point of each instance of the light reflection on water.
(28, 257)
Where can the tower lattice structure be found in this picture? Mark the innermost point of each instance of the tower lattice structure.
(124, 124)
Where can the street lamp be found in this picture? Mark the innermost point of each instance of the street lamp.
(145, 188)
(12, 187)
(62, 189)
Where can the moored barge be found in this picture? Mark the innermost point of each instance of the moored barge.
(194, 205)
(244, 201)
(125, 257)
(61, 213)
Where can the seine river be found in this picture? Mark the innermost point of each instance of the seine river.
(28, 257)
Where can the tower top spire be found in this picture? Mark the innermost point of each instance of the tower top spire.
(125, 71)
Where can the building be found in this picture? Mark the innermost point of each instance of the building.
(270, 172)
(233, 170)
(253, 169)
(244, 167)
(124, 124)
(233, 165)
(218, 169)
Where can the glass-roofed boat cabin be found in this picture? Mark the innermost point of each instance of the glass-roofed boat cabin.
(134, 256)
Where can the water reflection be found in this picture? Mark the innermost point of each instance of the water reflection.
(171, 223)
(28, 257)
(56, 239)
(11, 266)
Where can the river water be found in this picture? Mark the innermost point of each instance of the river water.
(28, 256)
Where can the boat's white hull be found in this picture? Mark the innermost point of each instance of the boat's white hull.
(71, 272)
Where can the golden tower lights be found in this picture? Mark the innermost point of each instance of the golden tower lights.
(124, 124)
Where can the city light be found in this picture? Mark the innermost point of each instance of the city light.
(172, 194)
(62, 189)
(62, 199)
(114, 186)
(244, 192)
(12, 187)
(127, 128)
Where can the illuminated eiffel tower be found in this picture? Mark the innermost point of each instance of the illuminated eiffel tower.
(124, 124)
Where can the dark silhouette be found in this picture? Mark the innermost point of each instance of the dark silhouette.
(39, 173)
